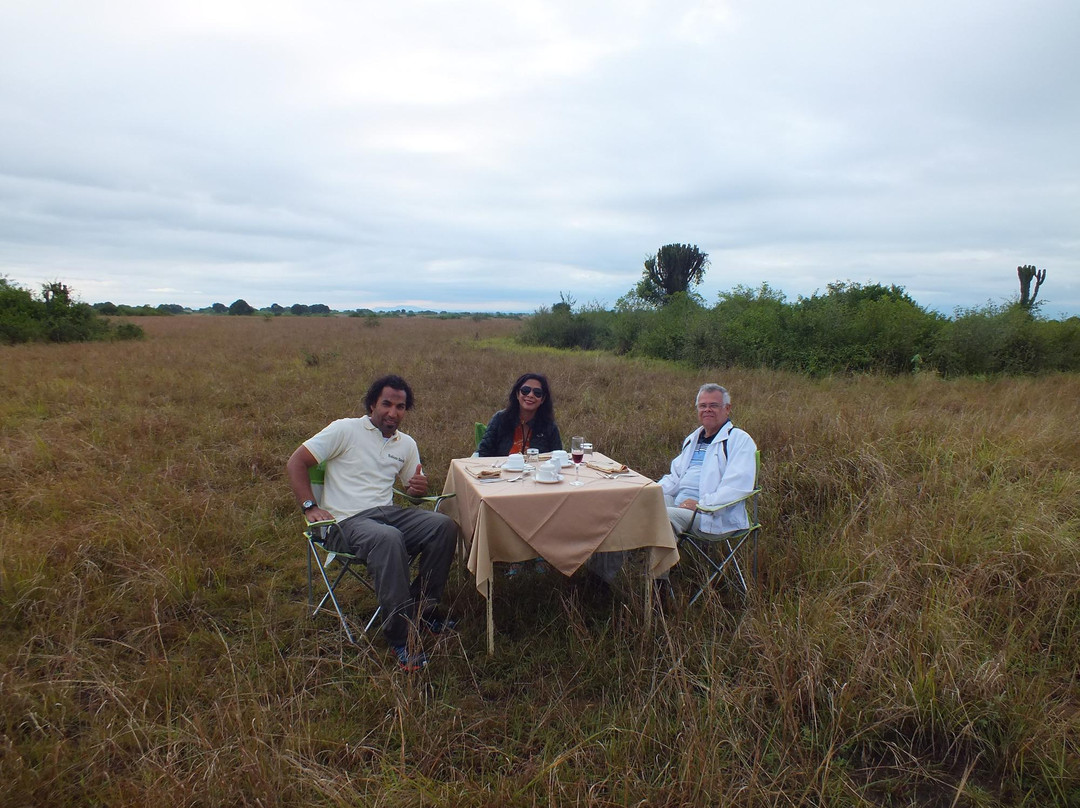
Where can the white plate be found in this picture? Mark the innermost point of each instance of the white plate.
(509, 470)
(549, 482)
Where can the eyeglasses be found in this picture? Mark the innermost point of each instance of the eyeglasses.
(536, 391)
(710, 406)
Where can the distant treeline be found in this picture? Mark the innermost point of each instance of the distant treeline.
(850, 328)
(114, 310)
(243, 308)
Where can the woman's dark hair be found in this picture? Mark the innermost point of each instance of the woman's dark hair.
(394, 383)
(546, 412)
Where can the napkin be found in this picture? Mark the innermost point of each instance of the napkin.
(607, 466)
(484, 474)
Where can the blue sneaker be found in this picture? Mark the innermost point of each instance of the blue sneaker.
(409, 662)
(438, 625)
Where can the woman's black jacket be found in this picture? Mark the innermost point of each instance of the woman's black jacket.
(499, 438)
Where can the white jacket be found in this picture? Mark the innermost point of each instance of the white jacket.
(725, 476)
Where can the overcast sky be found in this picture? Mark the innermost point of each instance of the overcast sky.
(469, 155)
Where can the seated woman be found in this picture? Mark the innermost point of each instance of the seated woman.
(527, 422)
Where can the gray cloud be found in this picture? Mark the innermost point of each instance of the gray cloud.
(481, 155)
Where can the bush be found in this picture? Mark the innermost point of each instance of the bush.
(850, 329)
(56, 318)
(1004, 339)
(126, 331)
(22, 318)
(1062, 339)
(667, 333)
(559, 327)
(750, 327)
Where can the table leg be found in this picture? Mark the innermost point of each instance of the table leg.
(648, 592)
(490, 616)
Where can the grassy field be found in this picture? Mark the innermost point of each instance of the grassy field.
(913, 639)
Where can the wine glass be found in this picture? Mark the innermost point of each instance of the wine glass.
(577, 454)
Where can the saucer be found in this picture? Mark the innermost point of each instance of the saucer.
(550, 482)
(509, 470)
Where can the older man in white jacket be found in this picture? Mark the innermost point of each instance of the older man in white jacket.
(717, 464)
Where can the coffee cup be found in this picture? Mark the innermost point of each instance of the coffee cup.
(548, 472)
(515, 462)
(560, 457)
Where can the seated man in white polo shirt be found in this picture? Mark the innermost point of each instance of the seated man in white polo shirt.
(364, 457)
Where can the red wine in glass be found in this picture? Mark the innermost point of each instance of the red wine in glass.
(577, 454)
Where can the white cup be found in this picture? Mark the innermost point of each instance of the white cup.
(560, 457)
(548, 472)
(516, 462)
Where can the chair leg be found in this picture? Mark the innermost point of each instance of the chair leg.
(333, 599)
(738, 569)
(310, 591)
(718, 568)
(331, 589)
(374, 617)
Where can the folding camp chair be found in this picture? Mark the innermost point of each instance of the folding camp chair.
(479, 430)
(322, 557)
(720, 552)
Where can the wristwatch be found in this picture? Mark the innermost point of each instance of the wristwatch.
(307, 505)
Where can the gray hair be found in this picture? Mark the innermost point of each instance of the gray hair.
(713, 388)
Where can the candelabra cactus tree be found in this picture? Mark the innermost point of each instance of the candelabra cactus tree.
(1026, 274)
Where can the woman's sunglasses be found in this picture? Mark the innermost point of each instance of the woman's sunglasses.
(536, 391)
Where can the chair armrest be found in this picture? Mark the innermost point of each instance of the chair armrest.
(434, 499)
(321, 522)
(715, 508)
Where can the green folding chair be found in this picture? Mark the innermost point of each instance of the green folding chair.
(322, 557)
(719, 553)
(479, 430)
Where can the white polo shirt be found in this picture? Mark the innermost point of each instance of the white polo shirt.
(361, 465)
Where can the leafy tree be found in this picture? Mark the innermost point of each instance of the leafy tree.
(21, 316)
(675, 268)
(241, 307)
(219, 308)
(298, 309)
(55, 318)
(56, 294)
(277, 309)
(565, 304)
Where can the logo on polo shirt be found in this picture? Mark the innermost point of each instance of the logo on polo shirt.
(393, 456)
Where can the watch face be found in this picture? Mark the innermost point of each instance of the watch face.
(308, 504)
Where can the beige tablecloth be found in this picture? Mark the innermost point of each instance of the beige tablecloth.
(565, 524)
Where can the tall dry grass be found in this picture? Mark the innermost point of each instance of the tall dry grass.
(913, 639)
